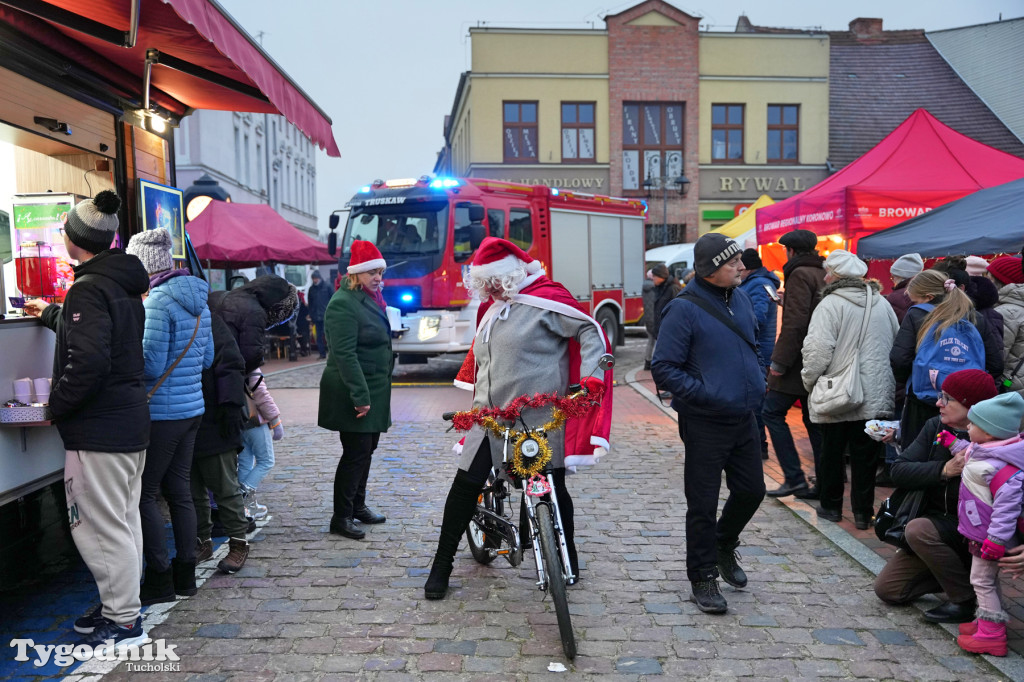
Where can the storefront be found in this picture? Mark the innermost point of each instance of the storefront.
(90, 94)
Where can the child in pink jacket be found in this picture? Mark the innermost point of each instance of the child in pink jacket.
(257, 456)
(988, 518)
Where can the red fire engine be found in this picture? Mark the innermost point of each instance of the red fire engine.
(429, 228)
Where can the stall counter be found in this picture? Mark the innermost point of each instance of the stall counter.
(31, 457)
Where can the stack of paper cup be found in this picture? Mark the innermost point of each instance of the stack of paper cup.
(23, 390)
(41, 389)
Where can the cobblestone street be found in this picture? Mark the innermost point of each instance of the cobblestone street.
(309, 605)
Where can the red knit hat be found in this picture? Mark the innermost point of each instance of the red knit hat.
(496, 257)
(970, 386)
(1007, 270)
(365, 257)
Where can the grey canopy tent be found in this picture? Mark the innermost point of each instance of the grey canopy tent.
(987, 221)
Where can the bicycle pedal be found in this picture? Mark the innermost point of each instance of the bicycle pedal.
(502, 552)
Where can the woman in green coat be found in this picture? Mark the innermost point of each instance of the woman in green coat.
(355, 390)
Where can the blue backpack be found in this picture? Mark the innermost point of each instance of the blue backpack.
(958, 347)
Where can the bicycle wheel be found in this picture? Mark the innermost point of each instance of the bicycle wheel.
(480, 540)
(556, 578)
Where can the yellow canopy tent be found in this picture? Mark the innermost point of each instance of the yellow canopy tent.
(743, 228)
(746, 221)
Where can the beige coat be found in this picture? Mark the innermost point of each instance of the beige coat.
(832, 338)
(1011, 307)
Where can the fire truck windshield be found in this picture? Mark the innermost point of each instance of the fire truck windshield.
(409, 230)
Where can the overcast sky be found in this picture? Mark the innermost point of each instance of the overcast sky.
(385, 71)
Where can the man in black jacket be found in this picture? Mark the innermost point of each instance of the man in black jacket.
(218, 442)
(319, 296)
(99, 404)
(707, 358)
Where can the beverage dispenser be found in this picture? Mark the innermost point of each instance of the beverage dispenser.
(36, 269)
(41, 262)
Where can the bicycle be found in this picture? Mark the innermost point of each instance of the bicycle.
(492, 531)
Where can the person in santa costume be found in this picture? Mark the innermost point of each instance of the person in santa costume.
(532, 338)
(355, 389)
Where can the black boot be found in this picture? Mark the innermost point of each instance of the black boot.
(157, 588)
(707, 596)
(458, 510)
(728, 566)
(184, 577)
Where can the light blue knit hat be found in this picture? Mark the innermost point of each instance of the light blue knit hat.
(999, 417)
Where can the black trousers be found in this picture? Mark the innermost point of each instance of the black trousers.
(169, 467)
(712, 446)
(353, 471)
(864, 454)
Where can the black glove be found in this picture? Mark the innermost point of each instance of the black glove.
(229, 420)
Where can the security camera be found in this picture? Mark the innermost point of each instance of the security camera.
(53, 125)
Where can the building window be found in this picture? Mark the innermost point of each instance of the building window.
(520, 131)
(727, 133)
(578, 131)
(783, 133)
(247, 164)
(652, 143)
(259, 166)
(238, 154)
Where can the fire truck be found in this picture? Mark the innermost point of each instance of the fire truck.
(428, 230)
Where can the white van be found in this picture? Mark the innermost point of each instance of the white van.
(677, 257)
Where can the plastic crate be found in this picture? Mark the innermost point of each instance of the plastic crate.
(15, 415)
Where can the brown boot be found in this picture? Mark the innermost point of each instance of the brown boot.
(238, 552)
(204, 550)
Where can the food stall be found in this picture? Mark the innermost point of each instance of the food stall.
(90, 94)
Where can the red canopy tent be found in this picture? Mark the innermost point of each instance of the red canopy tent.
(229, 235)
(920, 165)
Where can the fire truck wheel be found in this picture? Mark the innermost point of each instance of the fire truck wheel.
(609, 322)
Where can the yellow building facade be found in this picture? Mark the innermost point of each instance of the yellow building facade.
(544, 67)
(762, 79)
(517, 114)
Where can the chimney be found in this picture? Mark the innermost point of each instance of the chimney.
(743, 25)
(866, 28)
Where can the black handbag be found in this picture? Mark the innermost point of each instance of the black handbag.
(899, 509)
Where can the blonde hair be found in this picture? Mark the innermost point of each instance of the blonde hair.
(952, 306)
(353, 281)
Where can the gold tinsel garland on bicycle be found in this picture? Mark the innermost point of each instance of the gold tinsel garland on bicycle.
(565, 407)
(544, 448)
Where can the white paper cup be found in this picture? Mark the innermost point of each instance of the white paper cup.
(23, 390)
(41, 389)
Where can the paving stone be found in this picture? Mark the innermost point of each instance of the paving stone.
(632, 665)
(229, 630)
(893, 637)
(837, 636)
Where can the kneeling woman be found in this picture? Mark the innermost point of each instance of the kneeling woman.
(522, 347)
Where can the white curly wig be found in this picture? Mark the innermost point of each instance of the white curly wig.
(501, 279)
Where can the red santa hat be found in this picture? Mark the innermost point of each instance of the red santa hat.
(497, 257)
(365, 257)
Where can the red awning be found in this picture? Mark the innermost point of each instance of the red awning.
(230, 235)
(201, 34)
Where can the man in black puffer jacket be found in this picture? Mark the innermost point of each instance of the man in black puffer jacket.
(252, 309)
(98, 400)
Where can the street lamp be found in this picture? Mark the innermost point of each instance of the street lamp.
(200, 193)
(666, 184)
